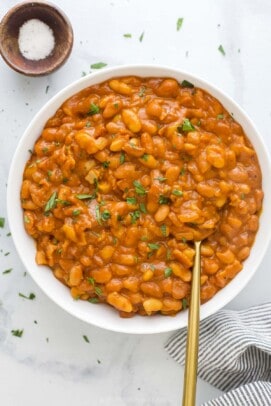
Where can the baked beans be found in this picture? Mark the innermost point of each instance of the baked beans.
(124, 177)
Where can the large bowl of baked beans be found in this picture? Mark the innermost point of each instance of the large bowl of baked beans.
(114, 180)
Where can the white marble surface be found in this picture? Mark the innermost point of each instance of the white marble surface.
(51, 363)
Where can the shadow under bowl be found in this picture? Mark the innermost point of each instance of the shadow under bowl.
(9, 34)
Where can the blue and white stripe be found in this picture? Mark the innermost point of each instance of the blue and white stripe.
(234, 350)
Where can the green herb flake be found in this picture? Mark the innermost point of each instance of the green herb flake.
(88, 124)
(135, 215)
(167, 272)
(86, 339)
(243, 196)
(2, 222)
(30, 297)
(163, 199)
(176, 192)
(45, 150)
(168, 255)
(99, 362)
(122, 157)
(6, 254)
(142, 91)
(47, 88)
(8, 234)
(139, 188)
(220, 116)
(17, 333)
(94, 109)
(187, 125)
(221, 49)
(98, 65)
(85, 196)
(91, 280)
(145, 157)
(161, 179)
(7, 271)
(141, 36)
(106, 164)
(186, 83)
(142, 208)
(184, 303)
(184, 240)
(131, 200)
(98, 215)
(51, 204)
(163, 229)
(116, 105)
(115, 240)
(98, 291)
(76, 212)
(106, 215)
(127, 35)
(83, 73)
(182, 173)
(179, 23)
(144, 238)
(49, 174)
(153, 246)
(93, 300)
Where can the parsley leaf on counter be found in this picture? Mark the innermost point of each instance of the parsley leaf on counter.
(127, 35)
(30, 297)
(221, 49)
(141, 36)
(179, 23)
(7, 271)
(94, 109)
(86, 339)
(17, 333)
(2, 222)
(98, 65)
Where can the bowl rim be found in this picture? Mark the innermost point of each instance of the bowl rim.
(155, 323)
(64, 56)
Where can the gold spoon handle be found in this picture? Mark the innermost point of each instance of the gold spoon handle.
(192, 343)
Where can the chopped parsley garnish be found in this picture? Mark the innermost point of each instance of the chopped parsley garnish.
(182, 172)
(168, 255)
(179, 23)
(139, 188)
(243, 196)
(94, 109)
(17, 333)
(163, 199)
(167, 272)
(163, 229)
(176, 192)
(51, 204)
(142, 91)
(161, 179)
(106, 164)
(85, 196)
(2, 222)
(93, 300)
(153, 246)
(116, 105)
(187, 126)
(131, 200)
(221, 49)
(30, 297)
(98, 291)
(49, 173)
(98, 65)
(63, 202)
(98, 214)
(106, 215)
(144, 238)
(88, 124)
(122, 157)
(86, 339)
(184, 303)
(141, 37)
(185, 83)
(76, 212)
(142, 208)
(7, 271)
(127, 35)
(47, 88)
(184, 240)
(145, 157)
(8, 234)
(91, 280)
(45, 150)
(220, 116)
(135, 215)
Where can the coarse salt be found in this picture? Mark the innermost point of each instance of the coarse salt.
(36, 40)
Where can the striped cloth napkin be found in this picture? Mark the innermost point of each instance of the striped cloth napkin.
(234, 355)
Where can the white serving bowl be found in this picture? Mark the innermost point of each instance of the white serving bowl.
(103, 315)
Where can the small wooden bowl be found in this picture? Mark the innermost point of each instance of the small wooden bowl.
(9, 33)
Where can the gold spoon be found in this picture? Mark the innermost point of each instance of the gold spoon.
(192, 341)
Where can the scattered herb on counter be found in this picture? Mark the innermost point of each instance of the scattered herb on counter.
(221, 49)
(94, 109)
(30, 151)
(17, 333)
(2, 222)
(6, 254)
(186, 83)
(135, 215)
(7, 271)
(8, 234)
(163, 229)
(184, 303)
(176, 192)
(179, 23)
(163, 199)
(47, 88)
(83, 73)
(186, 126)
(139, 188)
(30, 297)
(51, 204)
(35, 322)
(131, 200)
(167, 272)
(122, 157)
(141, 36)
(220, 116)
(47, 339)
(99, 362)
(127, 35)
(98, 65)
(86, 339)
